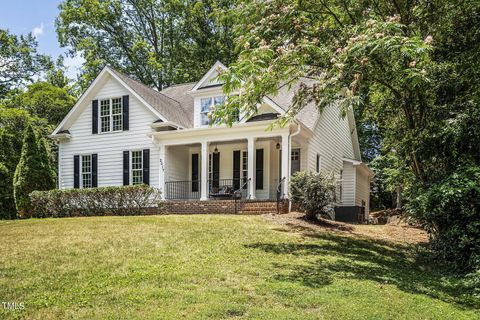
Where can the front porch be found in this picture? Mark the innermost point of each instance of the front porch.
(233, 164)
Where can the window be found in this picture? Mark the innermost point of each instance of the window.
(87, 171)
(104, 115)
(206, 106)
(295, 155)
(137, 167)
(111, 115)
(319, 163)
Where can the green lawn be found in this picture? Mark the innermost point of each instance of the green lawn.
(214, 267)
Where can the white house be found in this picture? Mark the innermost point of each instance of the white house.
(122, 132)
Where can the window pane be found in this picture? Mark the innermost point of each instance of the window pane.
(137, 176)
(137, 167)
(105, 123)
(219, 100)
(205, 104)
(295, 155)
(86, 171)
(117, 106)
(117, 122)
(104, 107)
(204, 120)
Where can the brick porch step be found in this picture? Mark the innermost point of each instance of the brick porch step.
(258, 207)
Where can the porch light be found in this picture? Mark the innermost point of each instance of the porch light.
(215, 150)
(277, 146)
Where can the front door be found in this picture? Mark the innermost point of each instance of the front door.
(295, 164)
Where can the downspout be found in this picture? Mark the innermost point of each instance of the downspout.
(289, 157)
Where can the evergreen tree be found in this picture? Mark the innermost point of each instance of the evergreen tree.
(33, 171)
(7, 209)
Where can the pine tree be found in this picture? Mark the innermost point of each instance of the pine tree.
(33, 172)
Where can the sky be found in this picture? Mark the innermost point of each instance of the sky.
(38, 17)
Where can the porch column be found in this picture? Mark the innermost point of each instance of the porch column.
(204, 173)
(251, 166)
(162, 171)
(285, 163)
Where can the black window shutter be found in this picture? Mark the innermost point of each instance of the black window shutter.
(317, 166)
(126, 168)
(76, 171)
(216, 170)
(94, 170)
(195, 172)
(259, 169)
(94, 116)
(126, 112)
(146, 166)
(236, 169)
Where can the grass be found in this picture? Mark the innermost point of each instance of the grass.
(215, 267)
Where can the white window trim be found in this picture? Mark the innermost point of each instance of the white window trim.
(212, 105)
(82, 173)
(110, 115)
(131, 165)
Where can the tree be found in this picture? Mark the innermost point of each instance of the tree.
(414, 66)
(158, 42)
(7, 206)
(12, 123)
(33, 171)
(19, 61)
(44, 100)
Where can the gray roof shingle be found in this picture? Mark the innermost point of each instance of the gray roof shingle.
(168, 107)
(308, 115)
(177, 105)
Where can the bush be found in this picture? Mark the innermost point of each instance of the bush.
(33, 171)
(312, 192)
(7, 206)
(450, 212)
(122, 201)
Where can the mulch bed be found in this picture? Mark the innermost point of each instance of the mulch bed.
(398, 232)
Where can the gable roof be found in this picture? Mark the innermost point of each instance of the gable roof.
(308, 115)
(170, 108)
(163, 106)
(203, 82)
(180, 93)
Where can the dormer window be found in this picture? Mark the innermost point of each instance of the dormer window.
(111, 118)
(206, 106)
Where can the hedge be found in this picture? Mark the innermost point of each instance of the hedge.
(102, 201)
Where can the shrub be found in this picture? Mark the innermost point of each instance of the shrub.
(450, 212)
(33, 171)
(7, 207)
(122, 201)
(312, 192)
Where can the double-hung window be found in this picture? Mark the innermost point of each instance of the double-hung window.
(206, 105)
(86, 171)
(111, 117)
(137, 167)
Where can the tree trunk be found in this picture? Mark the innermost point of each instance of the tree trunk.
(398, 190)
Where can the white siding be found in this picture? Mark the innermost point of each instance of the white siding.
(362, 189)
(108, 146)
(348, 186)
(177, 163)
(331, 140)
